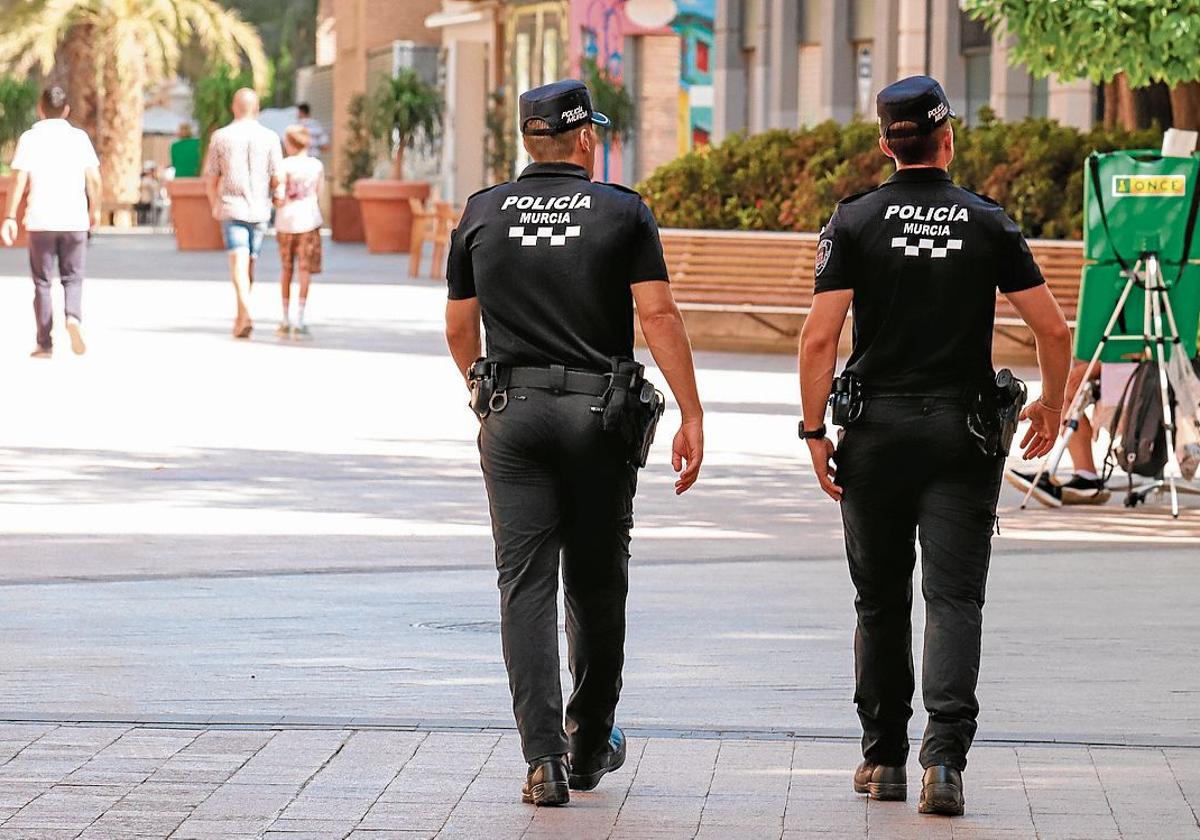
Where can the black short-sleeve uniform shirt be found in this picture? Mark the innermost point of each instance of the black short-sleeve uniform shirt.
(551, 257)
(924, 258)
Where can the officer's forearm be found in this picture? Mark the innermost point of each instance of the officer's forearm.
(462, 334)
(818, 361)
(1054, 362)
(667, 339)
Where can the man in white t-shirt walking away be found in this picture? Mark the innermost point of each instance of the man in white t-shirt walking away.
(241, 177)
(298, 225)
(57, 162)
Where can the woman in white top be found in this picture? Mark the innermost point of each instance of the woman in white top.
(298, 224)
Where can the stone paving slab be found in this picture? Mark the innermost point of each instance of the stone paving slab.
(354, 784)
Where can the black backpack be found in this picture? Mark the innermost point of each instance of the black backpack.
(1139, 440)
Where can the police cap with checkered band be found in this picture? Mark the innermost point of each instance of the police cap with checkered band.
(562, 105)
(917, 99)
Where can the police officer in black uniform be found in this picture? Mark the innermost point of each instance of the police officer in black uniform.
(920, 260)
(554, 263)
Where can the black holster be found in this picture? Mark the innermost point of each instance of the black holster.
(489, 387)
(994, 413)
(632, 408)
(846, 400)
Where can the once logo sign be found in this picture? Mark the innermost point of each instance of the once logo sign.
(1149, 186)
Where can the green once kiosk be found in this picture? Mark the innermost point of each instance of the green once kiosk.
(1140, 210)
(1140, 297)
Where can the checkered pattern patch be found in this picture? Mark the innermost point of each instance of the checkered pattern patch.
(935, 251)
(540, 233)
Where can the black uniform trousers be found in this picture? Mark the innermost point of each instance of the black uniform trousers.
(910, 471)
(558, 487)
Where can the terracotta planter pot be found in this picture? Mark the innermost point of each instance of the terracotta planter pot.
(347, 221)
(195, 227)
(386, 215)
(6, 187)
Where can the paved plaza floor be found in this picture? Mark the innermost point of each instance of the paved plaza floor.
(246, 590)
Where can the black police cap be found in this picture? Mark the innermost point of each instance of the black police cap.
(561, 105)
(917, 99)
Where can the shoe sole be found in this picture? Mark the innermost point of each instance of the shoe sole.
(77, 345)
(589, 781)
(888, 791)
(1090, 497)
(1041, 495)
(547, 794)
(942, 800)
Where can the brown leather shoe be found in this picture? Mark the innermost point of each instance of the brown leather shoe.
(882, 782)
(546, 782)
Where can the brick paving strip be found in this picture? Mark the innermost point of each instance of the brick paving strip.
(122, 782)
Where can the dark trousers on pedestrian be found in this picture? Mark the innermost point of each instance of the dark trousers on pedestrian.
(910, 472)
(67, 248)
(559, 489)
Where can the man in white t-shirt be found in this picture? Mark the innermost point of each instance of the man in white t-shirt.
(59, 165)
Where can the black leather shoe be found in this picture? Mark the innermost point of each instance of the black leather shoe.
(587, 771)
(546, 783)
(879, 781)
(942, 792)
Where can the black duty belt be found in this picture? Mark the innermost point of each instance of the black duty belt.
(940, 392)
(559, 379)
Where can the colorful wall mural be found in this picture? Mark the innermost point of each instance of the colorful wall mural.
(596, 30)
(694, 23)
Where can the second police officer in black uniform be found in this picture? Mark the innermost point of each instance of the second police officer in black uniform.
(553, 263)
(920, 260)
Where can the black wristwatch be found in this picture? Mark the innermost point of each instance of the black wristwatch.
(816, 434)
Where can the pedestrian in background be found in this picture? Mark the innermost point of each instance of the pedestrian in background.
(241, 179)
(149, 188)
(318, 137)
(185, 153)
(298, 225)
(59, 165)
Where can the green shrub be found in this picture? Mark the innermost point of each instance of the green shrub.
(791, 180)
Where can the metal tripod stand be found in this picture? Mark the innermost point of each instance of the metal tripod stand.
(1158, 330)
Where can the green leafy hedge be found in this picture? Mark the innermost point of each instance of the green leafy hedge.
(791, 180)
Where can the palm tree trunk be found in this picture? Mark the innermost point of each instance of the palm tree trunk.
(82, 78)
(398, 163)
(121, 134)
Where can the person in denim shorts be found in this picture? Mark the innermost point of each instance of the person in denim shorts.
(242, 178)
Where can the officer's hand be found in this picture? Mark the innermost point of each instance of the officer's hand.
(8, 231)
(1043, 429)
(687, 448)
(822, 461)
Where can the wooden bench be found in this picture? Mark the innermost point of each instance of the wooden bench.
(762, 274)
